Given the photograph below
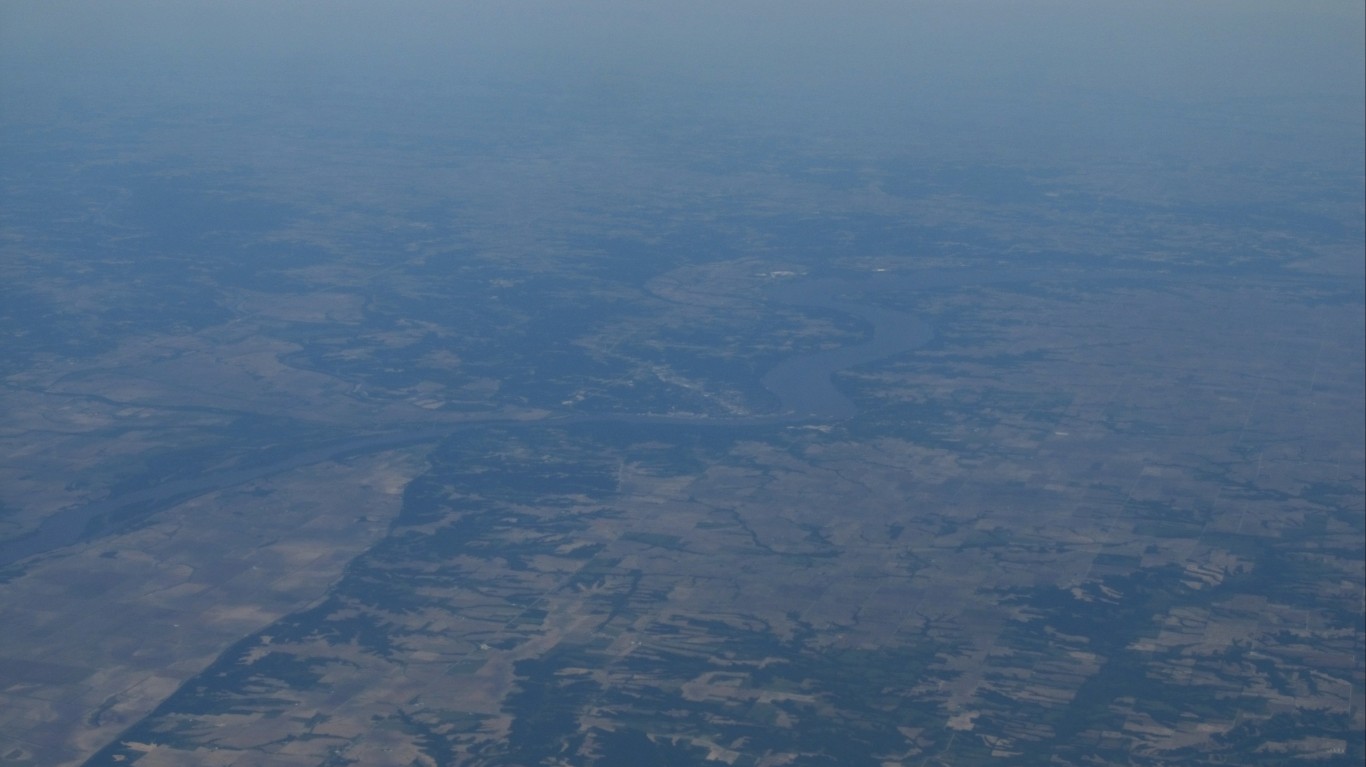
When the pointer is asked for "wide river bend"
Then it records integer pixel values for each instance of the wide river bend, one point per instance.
(803, 384)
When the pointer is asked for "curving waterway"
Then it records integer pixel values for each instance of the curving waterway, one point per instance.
(803, 384)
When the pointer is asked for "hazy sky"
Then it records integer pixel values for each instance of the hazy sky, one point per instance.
(1176, 77)
(1199, 49)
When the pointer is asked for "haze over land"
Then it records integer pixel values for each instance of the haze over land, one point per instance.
(698, 383)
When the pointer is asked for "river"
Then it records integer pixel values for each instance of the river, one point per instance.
(803, 384)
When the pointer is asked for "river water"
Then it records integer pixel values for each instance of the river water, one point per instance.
(803, 384)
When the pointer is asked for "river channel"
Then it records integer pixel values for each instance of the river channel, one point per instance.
(803, 384)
